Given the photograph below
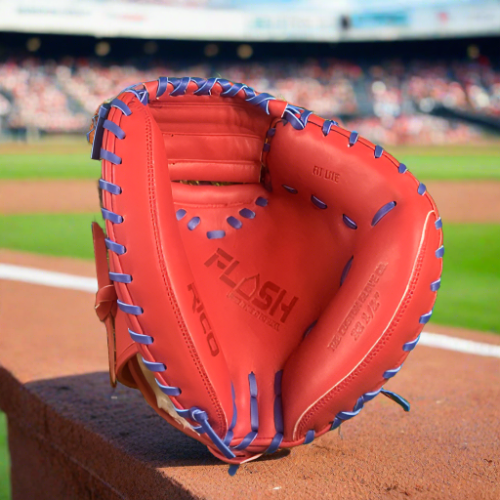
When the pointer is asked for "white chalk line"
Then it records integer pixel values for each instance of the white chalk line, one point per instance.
(457, 344)
(47, 278)
(80, 283)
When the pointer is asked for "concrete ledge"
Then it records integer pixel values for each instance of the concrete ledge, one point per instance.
(76, 438)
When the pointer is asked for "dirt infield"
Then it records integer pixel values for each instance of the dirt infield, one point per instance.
(470, 201)
(68, 265)
(48, 196)
(447, 447)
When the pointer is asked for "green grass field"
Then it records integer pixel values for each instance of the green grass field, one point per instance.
(470, 291)
(64, 166)
(72, 161)
(50, 234)
(450, 163)
(46, 161)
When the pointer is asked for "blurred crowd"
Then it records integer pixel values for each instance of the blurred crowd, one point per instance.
(387, 102)
(466, 86)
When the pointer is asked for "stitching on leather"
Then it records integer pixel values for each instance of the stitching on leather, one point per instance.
(409, 295)
(249, 136)
(226, 205)
(202, 103)
(388, 156)
(247, 164)
(166, 280)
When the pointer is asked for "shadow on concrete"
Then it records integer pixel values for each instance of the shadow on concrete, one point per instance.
(122, 417)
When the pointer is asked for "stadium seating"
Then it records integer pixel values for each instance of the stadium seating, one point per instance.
(386, 101)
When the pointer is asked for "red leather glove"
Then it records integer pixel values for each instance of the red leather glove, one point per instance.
(272, 270)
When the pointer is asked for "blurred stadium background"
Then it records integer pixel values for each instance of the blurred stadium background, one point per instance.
(422, 77)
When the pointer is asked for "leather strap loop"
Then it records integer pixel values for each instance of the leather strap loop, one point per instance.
(105, 303)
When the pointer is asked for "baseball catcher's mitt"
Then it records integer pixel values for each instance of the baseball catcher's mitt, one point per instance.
(268, 272)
